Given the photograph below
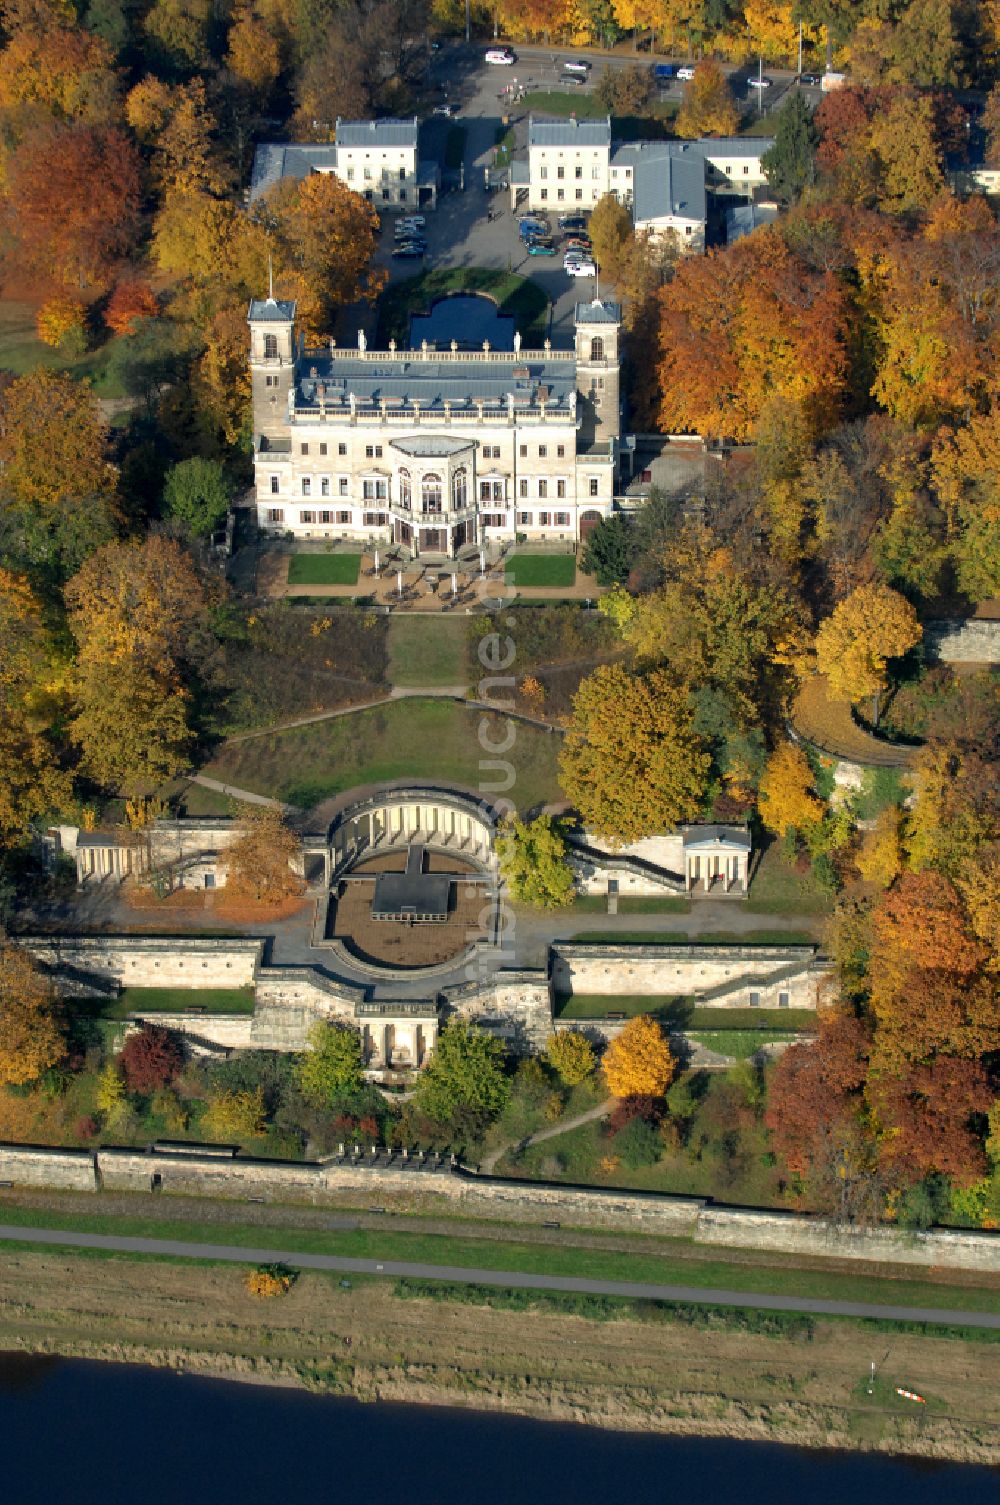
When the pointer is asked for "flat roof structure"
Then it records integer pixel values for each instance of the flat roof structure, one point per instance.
(413, 896)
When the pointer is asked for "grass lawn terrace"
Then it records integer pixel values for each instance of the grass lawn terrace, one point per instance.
(528, 570)
(180, 1000)
(428, 651)
(681, 1013)
(413, 738)
(324, 569)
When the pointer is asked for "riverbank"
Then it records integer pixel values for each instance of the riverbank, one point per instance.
(683, 1372)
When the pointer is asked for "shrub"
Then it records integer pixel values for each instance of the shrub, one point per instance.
(554, 1108)
(638, 1144)
(61, 323)
(234, 1115)
(167, 1106)
(85, 1127)
(269, 1280)
(151, 1058)
(110, 1089)
(649, 1109)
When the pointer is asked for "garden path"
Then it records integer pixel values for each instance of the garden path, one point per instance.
(489, 1162)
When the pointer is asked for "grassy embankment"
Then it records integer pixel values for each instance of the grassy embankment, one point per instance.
(428, 651)
(324, 569)
(408, 738)
(637, 1366)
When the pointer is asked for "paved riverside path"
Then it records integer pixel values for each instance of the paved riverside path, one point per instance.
(175, 1248)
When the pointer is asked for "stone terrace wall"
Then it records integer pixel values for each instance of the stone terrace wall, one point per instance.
(974, 641)
(333, 1179)
(716, 976)
(227, 1031)
(149, 961)
(515, 1004)
(289, 1001)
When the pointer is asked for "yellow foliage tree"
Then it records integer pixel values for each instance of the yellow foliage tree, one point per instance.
(254, 54)
(61, 321)
(234, 1115)
(708, 107)
(854, 644)
(631, 761)
(881, 855)
(110, 1090)
(786, 797)
(53, 441)
(31, 1036)
(639, 1063)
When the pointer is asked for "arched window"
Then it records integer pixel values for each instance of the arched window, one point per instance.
(459, 489)
(405, 490)
(597, 348)
(270, 347)
(430, 490)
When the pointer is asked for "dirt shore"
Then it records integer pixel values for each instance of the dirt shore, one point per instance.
(807, 1388)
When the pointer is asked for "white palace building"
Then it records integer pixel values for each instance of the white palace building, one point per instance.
(435, 449)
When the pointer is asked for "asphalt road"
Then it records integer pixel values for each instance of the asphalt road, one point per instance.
(507, 1278)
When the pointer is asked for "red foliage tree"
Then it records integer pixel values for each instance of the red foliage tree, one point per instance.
(150, 1058)
(130, 302)
(928, 1115)
(649, 1109)
(73, 200)
(815, 1087)
(842, 119)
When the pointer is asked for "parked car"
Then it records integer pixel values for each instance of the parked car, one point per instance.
(810, 80)
(409, 248)
(418, 221)
(758, 83)
(540, 248)
(445, 110)
(572, 222)
(576, 65)
(577, 79)
(578, 243)
(528, 228)
(573, 258)
(582, 269)
(685, 74)
(664, 72)
(503, 57)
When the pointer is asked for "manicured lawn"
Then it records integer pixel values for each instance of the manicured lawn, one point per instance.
(740, 1044)
(178, 1000)
(598, 904)
(706, 938)
(516, 297)
(428, 651)
(550, 1259)
(776, 888)
(681, 1012)
(324, 569)
(541, 570)
(415, 738)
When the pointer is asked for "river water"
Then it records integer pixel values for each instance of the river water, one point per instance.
(73, 1432)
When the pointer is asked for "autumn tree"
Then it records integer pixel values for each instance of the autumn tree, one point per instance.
(130, 302)
(176, 125)
(707, 107)
(254, 51)
(965, 465)
(61, 323)
(234, 1115)
(53, 441)
(930, 1116)
(66, 71)
(332, 1068)
(571, 1056)
(533, 862)
(631, 761)
(611, 234)
(816, 1086)
(855, 643)
(32, 784)
(638, 1062)
(328, 235)
(31, 1033)
(904, 141)
(261, 864)
(73, 200)
(787, 797)
(881, 855)
(742, 326)
(150, 1058)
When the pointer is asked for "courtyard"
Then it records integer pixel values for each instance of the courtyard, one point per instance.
(400, 943)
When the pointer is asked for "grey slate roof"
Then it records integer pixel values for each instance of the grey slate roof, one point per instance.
(734, 836)
(520, 173)
(434, 445)
(407, 378)
(377, 132)
(274, 160)
(598, 312)
(668, 184)
(572, 132)
(744, 218)
(278, 310)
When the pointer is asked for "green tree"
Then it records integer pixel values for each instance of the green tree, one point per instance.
(608, 552)
(791, 162)
(331, 1069)
(532, 856)
(464, 1081)
(571, 1055)
(197, 492)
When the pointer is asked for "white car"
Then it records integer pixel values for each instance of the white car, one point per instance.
(502, 56)
(580, 268)
(685, 74)
(411, 222)
(758, 83)
(576, 65)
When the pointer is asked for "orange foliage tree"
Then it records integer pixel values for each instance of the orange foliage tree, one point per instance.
(130, 302)
(929, 1116)
(638, 1063)
(73, 200)
(743, 326)
(31, 1037)
(814, 1085)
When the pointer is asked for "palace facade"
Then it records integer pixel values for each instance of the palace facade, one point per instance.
(432, 450)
